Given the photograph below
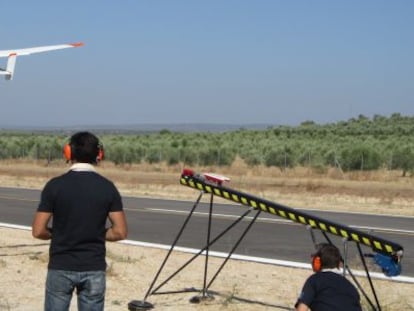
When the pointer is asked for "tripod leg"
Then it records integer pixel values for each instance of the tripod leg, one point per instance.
(203, 249)
(369, 277)
(208, 247)
(234, 247)
(173, 245)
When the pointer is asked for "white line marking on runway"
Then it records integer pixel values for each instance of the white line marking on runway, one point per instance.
(276, 262)
(275, 220)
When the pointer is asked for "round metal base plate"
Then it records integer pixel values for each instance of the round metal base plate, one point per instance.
(137, 305)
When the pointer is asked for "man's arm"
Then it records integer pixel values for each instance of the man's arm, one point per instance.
(301, 307)
(118, 230)
(39, 226)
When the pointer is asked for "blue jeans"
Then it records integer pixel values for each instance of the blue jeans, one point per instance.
(90, 287)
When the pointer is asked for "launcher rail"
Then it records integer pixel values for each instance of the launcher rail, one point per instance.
(215, 187)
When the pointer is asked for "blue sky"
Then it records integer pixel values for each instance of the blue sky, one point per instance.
(216, 61)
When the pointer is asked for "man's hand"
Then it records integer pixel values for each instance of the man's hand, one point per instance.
(118, 230)
(39, 226)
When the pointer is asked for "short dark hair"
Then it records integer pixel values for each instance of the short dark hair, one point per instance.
(84, 147)
(329, 254)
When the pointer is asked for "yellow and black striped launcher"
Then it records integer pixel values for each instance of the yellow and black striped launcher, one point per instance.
(214, 186)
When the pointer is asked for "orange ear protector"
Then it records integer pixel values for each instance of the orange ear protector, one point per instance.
(101, 154)
(67, 152)
(316, 263)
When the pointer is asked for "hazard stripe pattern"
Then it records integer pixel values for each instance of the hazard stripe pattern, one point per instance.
(376, 243)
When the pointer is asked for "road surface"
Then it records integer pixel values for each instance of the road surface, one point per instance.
(159, 221)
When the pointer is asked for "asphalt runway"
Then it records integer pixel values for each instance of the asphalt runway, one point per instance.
(159, 221)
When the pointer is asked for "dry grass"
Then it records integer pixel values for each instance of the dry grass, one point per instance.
(380, 192)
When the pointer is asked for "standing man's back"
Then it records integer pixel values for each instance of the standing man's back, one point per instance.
(80, 202)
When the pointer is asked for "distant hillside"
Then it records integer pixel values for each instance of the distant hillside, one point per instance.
(140, 128)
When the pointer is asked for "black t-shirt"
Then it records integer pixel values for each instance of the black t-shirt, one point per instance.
(80, 202)
(329, 291)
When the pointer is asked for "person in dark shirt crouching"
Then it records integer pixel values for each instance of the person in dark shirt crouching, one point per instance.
(327, 289)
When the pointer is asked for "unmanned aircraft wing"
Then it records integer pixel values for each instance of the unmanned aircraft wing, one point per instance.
(12, 55)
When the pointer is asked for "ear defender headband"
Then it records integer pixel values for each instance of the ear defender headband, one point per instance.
(67, 152)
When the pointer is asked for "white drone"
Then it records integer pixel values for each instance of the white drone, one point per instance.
(12, 55)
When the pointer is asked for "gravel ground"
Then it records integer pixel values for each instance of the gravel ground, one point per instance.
(240, 286)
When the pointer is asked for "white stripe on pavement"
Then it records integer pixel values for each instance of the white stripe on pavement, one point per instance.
(291, 264)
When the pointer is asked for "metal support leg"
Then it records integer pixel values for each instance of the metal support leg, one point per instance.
(205, 295)
(345, 257)
(234, 248)
(369, 277)
(143, 304)
(202, 250)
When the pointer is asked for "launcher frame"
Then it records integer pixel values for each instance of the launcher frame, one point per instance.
(212, 184)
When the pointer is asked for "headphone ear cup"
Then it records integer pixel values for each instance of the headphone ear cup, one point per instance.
(316, 264)
(101, 154)
(67, 152)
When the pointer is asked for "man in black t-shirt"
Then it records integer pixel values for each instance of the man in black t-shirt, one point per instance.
(79, 203)
(326, 289)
